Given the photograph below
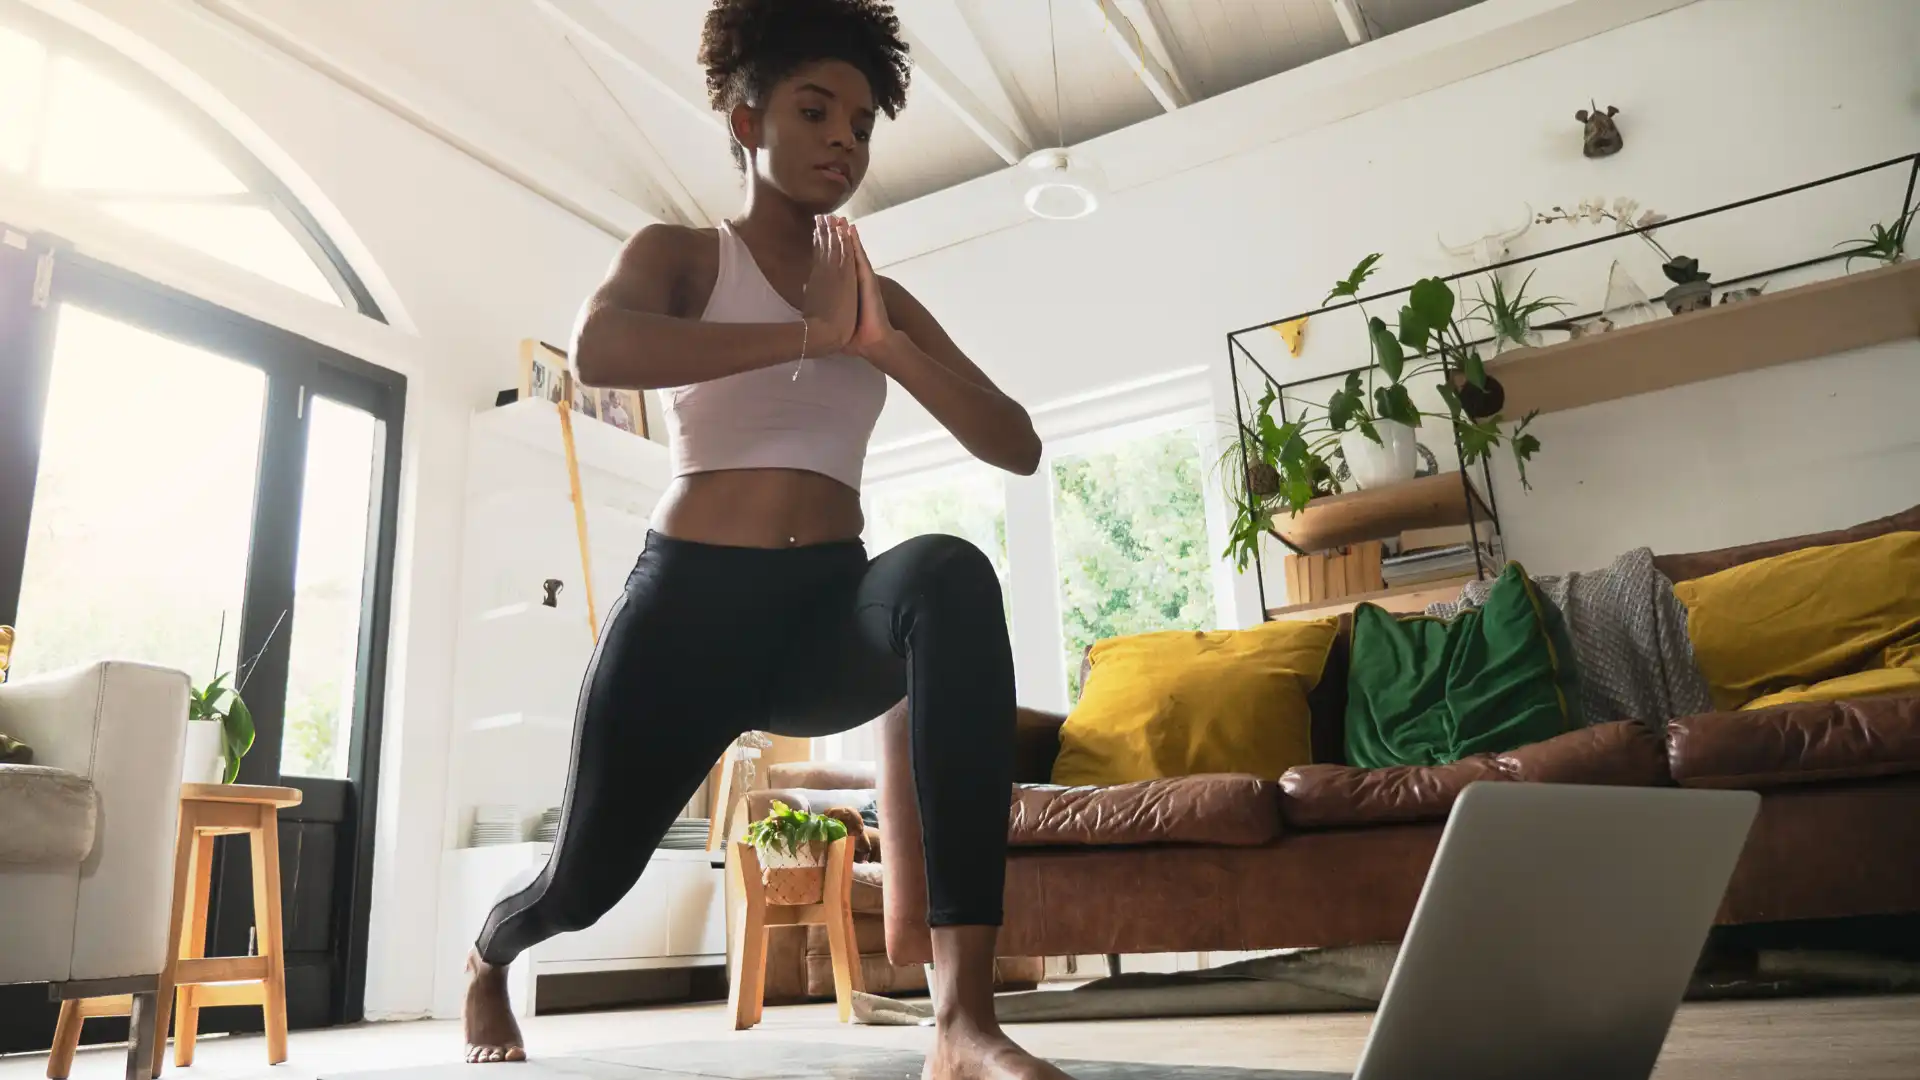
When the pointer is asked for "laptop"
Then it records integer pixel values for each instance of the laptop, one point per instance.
(1556, 933)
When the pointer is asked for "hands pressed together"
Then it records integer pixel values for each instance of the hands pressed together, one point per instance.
(843, 306)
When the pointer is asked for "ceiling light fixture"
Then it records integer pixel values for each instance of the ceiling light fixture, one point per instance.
(1060, 184)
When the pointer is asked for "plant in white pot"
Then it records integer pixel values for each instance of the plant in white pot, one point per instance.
(219, 723)
(1372, 417)
(792, 845)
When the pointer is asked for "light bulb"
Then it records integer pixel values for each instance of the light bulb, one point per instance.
(1061, 185)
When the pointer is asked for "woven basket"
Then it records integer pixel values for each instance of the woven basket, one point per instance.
(796, 878)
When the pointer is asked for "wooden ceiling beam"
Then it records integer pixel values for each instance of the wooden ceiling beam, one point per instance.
(1133, 40)
(1353, 21)
(1009, 140)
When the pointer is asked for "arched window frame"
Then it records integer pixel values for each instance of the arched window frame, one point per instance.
(263, 187)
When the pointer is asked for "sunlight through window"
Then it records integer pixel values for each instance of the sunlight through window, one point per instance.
(75, 124)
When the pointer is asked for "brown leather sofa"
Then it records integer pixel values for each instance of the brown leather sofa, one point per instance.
(1331, 855)
(799, 963)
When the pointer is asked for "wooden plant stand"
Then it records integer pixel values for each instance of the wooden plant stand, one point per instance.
(754, 915)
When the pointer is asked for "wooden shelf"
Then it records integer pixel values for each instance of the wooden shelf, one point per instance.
(1826, 317)
(1401, 600)
(1381, 513)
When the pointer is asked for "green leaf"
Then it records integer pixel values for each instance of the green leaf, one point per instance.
(1386, 349)
(239, 732)
(1341, 407)
(1397, 404)
(1298, 492)
(1452, 397)
(1474, 368)
(1414, 330)
(1431, 298)
(1351, 286)
(1371, 432)
(1272, 437)
(1294, 452)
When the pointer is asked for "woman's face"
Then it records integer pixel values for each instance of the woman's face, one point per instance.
(811, 135)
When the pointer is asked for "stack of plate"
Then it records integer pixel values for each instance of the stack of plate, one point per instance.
(549, 828)
(496, 825)
(686, 834)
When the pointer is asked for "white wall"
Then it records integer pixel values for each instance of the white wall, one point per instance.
(1719, 100)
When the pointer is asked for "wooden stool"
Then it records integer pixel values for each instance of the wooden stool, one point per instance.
(746, 996)
(207, 811)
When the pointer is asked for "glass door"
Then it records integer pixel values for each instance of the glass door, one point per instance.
(143, 508)
(187, 487)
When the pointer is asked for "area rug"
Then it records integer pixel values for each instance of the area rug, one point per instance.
(753, 1059)
(1353, 979)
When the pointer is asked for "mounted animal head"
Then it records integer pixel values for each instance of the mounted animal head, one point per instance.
(1488, 249)
(1603, 136)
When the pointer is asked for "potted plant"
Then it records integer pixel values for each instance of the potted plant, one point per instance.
(1886, 244)
(1286, 463)
(219, 723)
(1511, 317)
(792, 845)
(1692, 290)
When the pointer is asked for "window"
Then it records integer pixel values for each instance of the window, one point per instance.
(137, 549)
(968, 503)
(75, 121)
(1130, 539)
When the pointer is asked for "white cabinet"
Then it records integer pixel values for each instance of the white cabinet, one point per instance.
(517, 678)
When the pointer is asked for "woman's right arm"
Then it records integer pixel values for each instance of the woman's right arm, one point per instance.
(626, 339)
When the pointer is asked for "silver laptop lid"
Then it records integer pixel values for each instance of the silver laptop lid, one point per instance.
(1556, 932)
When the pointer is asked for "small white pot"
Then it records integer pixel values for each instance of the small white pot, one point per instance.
(202, 764)
(1392, 460)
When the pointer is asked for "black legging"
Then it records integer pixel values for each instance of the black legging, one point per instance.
(708, 642)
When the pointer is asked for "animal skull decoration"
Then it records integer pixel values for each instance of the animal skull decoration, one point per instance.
(1603, 138)
(1488, 249)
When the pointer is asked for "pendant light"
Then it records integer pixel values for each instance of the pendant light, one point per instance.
(1060, 184)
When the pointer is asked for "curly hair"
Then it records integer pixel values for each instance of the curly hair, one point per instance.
(749, 45)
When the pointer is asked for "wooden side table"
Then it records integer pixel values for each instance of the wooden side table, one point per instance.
(747, 994)
(207, 811)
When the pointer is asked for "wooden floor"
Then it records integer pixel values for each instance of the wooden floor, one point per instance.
(1832, 1039)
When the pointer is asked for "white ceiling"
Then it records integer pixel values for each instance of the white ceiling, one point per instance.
(606, 96)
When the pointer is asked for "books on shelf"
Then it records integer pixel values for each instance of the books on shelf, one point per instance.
(1435, 563)
(1446, 536)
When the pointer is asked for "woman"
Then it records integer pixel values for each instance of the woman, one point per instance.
(754, 605)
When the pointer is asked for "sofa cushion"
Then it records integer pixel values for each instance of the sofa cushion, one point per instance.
(869, 882)
(47, 816)
(1796, 744)
(1622, 753)
(1224, 809)
(1695, 564)
(1426, 691)
(1782, 623)
(1187, 703)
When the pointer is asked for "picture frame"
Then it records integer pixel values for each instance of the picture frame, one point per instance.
(545, 375)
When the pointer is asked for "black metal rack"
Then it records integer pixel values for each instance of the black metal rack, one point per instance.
(1238, 353)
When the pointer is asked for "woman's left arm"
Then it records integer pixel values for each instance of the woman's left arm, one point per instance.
(902, 338)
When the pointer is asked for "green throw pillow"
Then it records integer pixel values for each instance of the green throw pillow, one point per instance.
(1426, 691)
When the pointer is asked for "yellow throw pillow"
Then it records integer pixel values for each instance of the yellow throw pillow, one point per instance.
(1779, 625)
(1183, 702)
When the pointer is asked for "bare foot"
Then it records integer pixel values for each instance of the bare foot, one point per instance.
(968, 1052)
(492, 1033)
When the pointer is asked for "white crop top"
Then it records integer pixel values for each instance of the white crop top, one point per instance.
(815, 414)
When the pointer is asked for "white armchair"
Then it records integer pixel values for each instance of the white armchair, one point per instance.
(87, 833)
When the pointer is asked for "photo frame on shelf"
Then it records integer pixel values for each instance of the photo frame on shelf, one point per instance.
(545, 376)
